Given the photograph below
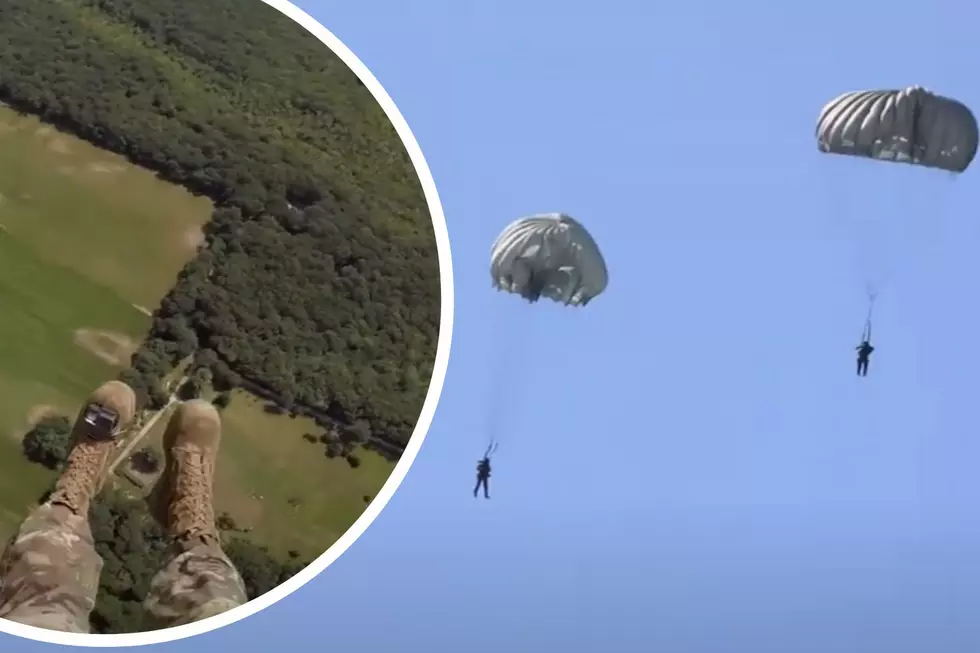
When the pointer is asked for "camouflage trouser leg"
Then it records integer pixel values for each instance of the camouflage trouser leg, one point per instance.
(196, 584)
(49, 572)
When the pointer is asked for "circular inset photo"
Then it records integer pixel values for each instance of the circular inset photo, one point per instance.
(225, 311)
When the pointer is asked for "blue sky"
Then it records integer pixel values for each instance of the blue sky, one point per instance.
(689, 464)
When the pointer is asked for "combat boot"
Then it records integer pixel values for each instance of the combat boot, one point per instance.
(108, 412)
(183, 498)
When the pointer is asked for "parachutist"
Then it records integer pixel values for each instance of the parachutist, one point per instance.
(483, 477)
(864, 354)
(911, 126)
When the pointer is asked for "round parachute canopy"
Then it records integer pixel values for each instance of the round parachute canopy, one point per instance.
(912, 125)
(550, 255)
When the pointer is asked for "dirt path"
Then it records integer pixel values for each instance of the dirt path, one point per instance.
(193, 239)
(106, 168)
(114, 348)
(136, 439)
(34, 416)
(39, 412)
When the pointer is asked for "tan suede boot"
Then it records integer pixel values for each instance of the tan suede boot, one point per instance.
(183, 497)
(108, 412)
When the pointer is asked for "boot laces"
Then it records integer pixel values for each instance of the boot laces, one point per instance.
(80, 481)
(191, 509)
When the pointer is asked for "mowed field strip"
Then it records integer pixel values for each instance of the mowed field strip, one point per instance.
(93, 212)
(89, 244)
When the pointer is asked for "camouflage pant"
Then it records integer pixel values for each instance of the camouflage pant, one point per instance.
(49, 576)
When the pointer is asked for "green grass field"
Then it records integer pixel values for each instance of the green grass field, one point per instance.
(42, 305)
(85, 236)
(93, 212)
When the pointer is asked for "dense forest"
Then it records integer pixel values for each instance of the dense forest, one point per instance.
(319, 284)
(134, 546)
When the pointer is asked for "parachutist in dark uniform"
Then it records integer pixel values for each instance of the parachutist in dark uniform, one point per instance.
(483, 477)
(864, 354)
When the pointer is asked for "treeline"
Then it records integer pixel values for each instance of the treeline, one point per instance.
(319, 282)
(134, 546)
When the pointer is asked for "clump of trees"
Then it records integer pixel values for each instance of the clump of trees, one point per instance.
(318, 288)
(48, 443)
(146, 461)
(222, 400)
(343, 444)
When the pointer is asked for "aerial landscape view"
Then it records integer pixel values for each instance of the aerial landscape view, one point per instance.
(202, 201)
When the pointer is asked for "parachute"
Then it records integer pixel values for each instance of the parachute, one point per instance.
(549, 255)
(912, 126)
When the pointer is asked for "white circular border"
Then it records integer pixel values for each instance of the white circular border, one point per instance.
(421, 427)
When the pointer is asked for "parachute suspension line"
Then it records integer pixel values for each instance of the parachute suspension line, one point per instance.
(864, 234)
(866, 333)
(491, 449)
(547, 256)
(499, 363)
(511, 334)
